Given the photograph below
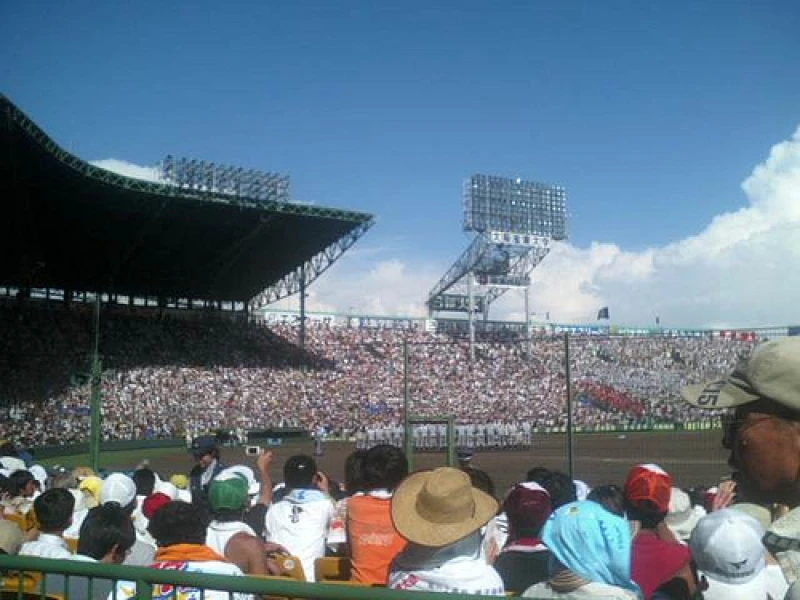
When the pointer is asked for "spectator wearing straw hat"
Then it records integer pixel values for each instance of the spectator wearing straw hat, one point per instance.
(440, 514)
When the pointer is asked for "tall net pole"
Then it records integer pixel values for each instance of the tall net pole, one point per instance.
(408, 435)
(97, 374)
(570, 444)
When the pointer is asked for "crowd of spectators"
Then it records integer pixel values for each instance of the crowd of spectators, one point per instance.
(165, 376)
(447, 529)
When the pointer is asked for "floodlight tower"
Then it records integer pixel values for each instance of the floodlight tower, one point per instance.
(255, 186)
(515, 222)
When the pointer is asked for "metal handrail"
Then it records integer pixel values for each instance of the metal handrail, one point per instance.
(146, 577)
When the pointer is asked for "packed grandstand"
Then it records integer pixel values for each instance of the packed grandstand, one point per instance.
(166, 376)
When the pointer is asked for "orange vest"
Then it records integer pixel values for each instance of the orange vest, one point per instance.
(374, 542)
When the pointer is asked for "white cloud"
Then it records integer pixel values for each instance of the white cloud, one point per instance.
(382, 287)
(740, 270)
(128, 169)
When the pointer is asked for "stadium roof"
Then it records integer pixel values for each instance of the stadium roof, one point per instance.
(67, 224)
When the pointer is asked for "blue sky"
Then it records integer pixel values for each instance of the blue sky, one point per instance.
(652, 115)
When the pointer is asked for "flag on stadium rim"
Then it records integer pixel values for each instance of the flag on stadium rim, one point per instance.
(603, 313)
(648, 486)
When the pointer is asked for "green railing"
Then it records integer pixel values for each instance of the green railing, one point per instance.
(145, 579)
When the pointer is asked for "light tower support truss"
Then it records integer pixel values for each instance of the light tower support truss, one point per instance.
(489, 286)
(300, 277)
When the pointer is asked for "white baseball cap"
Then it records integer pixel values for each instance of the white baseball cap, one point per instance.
(118, 488)
(167, 488)
(40, 475)
(682, 516)
(246, 473)
(727, 547)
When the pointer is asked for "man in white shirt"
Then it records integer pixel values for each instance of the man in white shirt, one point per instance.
(106, 536)
(300, 520)
(54, 513)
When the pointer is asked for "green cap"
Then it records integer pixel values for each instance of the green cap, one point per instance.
(228, 493)
(771, 372)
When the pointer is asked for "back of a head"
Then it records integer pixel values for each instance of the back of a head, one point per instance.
(727, 548)
(228, 498)
(119, 488)
(560, 487)
(18, 480)
(527, 507)
(590, 541)
(536, 474)
(7, 448)
(54, 510)
(648, 489)
(105, 527)
(145, 480)
(384, 466)
(299, 472)
(610, 497)
(481, 480)
(354, 472)
(179, 523)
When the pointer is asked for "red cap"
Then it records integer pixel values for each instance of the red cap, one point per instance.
(649, 487)
(153, 502)
(527, 507)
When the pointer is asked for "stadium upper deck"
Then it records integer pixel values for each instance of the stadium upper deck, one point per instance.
(69, 225)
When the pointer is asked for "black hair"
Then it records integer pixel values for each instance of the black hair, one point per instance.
(145, 480)
(54, 510)
(480, 479)
(384, 466)
(18, 480)
(8, 448)
(560, 487)
(299, 472)
(537, 474)
(104, 527)
(198, 454)
(353, 472)
(649, 518)
(227, 515)
(609, 497)
(179, 522)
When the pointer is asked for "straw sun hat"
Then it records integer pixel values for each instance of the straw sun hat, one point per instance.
(437, 508)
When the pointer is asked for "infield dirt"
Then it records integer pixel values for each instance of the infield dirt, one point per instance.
(691, 458)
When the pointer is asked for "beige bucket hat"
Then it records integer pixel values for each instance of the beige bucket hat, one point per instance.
(437, 508)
